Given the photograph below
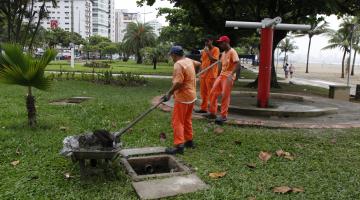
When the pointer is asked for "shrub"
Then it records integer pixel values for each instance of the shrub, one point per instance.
(95, 64)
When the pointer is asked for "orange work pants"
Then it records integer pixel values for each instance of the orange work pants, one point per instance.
(182, 122)
(206, 85)
(221, 86)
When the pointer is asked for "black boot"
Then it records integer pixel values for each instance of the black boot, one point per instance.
(189, 144)
(175, 150)
(200, 111)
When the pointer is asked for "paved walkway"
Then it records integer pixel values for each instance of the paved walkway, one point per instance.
(304, 81)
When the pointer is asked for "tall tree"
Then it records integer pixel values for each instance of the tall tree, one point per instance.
(21, 69)
(138, 36)
(20, 15)
(318, 26)
(339, 39)
(211, 15)
(286, 46)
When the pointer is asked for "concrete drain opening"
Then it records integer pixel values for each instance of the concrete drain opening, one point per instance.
(69, 101)
(142, 168)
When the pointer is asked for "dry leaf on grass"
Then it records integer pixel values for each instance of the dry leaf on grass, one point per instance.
(264, 156)
(297, 190)
(251, 165)
(333, 141)
(18, 151)
(162, 137)
(287, 189)
(282, 189)
(218, 130)
(67, 175)
(63, 128)
(14, 163)
(289, 157)
(251, 198)
(217, 174)
(286, 155)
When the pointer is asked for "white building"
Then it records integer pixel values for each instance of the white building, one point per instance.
(70, 15)
(156, 26)
(104, 18)
(122, 19)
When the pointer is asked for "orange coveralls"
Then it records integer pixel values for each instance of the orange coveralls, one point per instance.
(208, 78)
(222, 85)
(184, 73)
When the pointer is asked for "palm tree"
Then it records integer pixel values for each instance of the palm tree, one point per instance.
(138, 36)
(20, 69)
(318, 26)
(339, 39)
(287, 46)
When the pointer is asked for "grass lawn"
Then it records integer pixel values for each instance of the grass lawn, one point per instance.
(326, 162)
(130, 66)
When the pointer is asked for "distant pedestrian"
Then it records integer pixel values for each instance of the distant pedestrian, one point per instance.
(291, 70)
(154, 61)
(286, 70)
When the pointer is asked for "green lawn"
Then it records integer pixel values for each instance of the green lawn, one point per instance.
(130, 66)
(324, 168)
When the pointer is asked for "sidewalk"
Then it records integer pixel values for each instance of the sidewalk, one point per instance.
(304, 81)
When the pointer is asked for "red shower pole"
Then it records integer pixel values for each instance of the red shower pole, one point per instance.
(264, 78)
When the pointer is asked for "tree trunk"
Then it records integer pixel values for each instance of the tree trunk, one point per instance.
(343, 65)
(138, 58)
(308, 55)
(30, 105)
(278, 36)
(353, 64)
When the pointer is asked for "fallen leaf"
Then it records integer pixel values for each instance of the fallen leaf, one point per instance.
(251, 165)
(264, 156)
(297, 190)
(18, 151)
(67, 175)
(237, 142)
(289, 157)
(333, 141)
(252, 198)
(282, 189)
(280, 152)
(162, 137)
(217, 174)
(14, 163)
(63, 128)
(218, 130)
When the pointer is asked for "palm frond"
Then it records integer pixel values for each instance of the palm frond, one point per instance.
(20, 69)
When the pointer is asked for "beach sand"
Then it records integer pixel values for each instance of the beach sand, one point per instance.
(326, 72)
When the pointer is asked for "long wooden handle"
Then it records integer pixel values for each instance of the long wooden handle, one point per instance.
(123, 130)
(208, 68)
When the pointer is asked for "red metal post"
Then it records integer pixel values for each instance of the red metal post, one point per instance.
(264, 79)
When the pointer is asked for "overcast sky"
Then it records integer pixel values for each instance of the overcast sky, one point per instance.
(151, 12)
(318, 42)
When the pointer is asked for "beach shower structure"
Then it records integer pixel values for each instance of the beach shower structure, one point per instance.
(267, 27)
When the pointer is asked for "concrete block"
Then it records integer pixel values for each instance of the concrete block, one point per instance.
(161, 188)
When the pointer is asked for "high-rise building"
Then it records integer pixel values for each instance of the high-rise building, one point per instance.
(104, 18)
(156, 26)
(70, 15)
(122, 18)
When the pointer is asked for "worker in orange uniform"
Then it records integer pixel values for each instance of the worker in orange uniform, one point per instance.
(209, 55)
(184, 91)
(230, 64)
